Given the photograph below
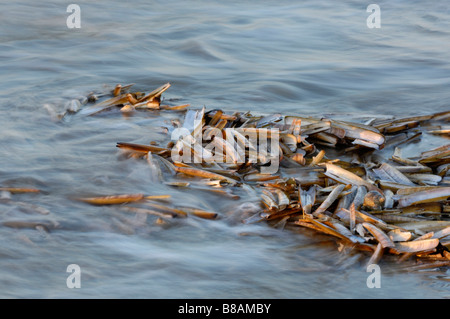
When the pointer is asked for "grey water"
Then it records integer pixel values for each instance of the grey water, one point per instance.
(293, 57)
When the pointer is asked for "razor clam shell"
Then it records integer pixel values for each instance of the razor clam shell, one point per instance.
(395, 219)
(192, 118)
(358, 201)
(330, 199)
(38, 225)
(442, 233)
(255, 218)
(345, 216)
(366, 144)
(424, 227)
(418, 169)
(283, 199)
(413, 190)
(394, 187)
(329, 139)
(427, 196)
(435, 153)
(112, 199)
(390, 173)
(155, 93)
(443, 170)
(147, 211)
(380, 235)
(389, 199)
(191, 171)
(307, 199)
(347, 200)
(269, 201)
(290, 141)
(327, 229)
(360, 131)
(397, 157)
(417, 245)
(376, 256)
(346, 177)
(269, 119)
(429, 179)
(347, 233)
(316, 159)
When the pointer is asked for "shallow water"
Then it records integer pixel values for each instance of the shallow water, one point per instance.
(313, 57)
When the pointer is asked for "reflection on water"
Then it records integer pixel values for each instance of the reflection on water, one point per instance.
(309, 58)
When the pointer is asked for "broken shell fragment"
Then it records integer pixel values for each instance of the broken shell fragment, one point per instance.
(397, 235)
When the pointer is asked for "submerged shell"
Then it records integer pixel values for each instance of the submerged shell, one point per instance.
(113, 199)
(19, 190)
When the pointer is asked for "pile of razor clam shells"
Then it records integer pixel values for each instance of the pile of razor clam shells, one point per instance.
(331, 177)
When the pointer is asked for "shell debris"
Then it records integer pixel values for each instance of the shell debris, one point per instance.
(348, 180)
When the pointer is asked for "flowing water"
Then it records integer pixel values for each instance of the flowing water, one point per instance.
(293, 57)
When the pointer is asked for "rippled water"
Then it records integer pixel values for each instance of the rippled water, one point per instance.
(309, 57)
